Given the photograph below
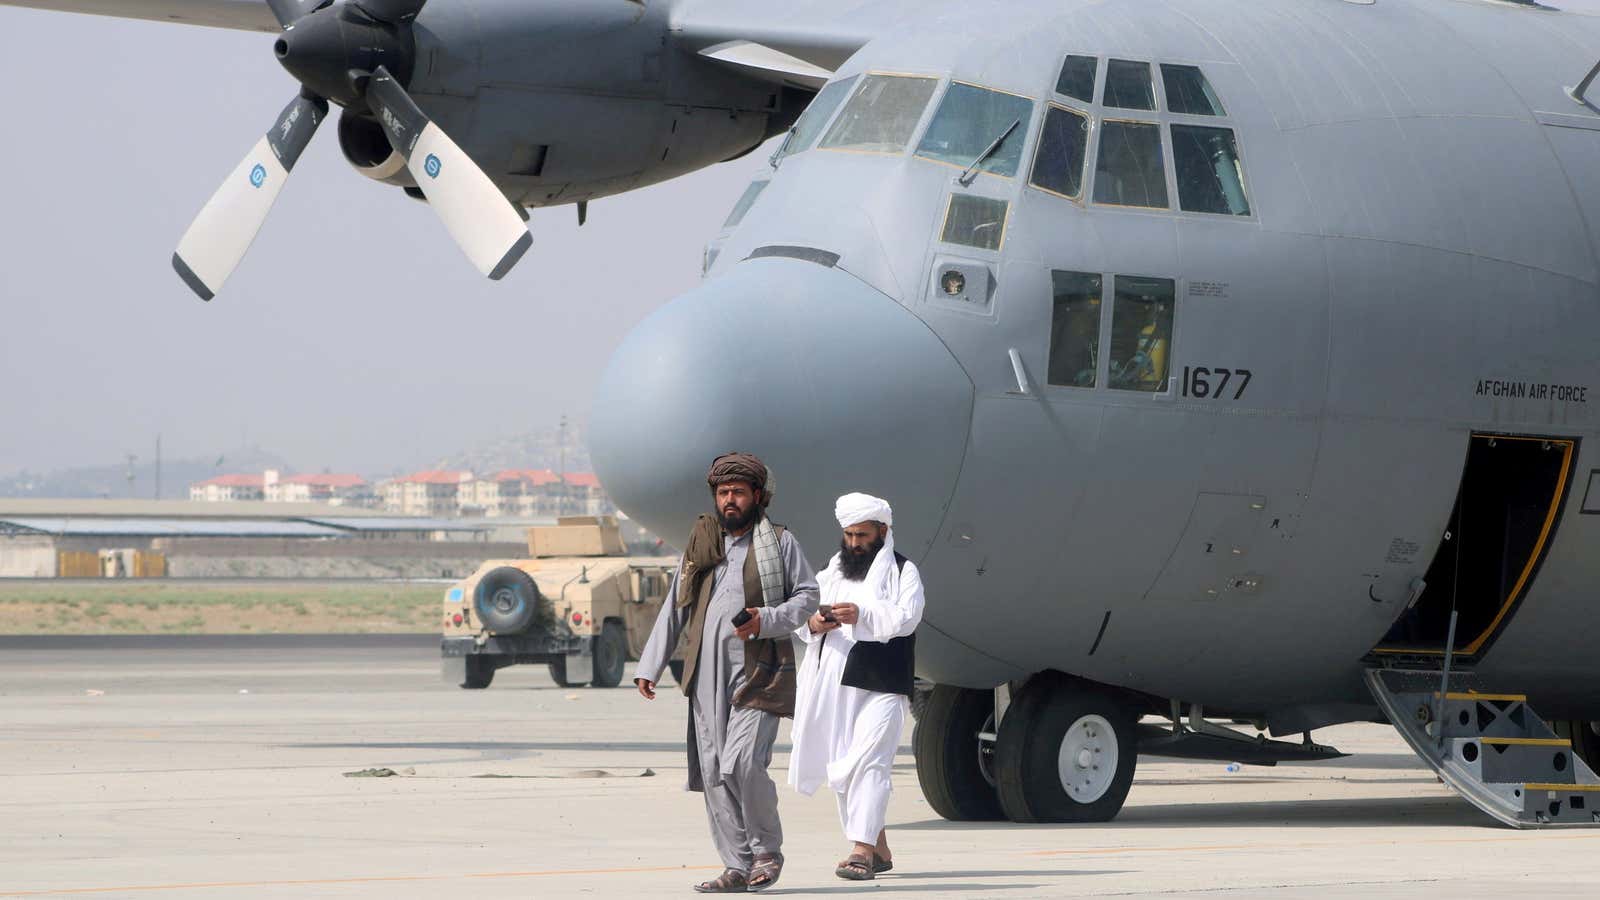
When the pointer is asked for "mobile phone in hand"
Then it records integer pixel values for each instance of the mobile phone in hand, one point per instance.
(827, 613)
(741, 617)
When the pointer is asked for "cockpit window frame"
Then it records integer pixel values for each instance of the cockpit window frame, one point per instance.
(1161, 117)
(1091, 183)
(940, 84)
(848, 83)
(1089, 150)
(1094, 77)
(1026, 126)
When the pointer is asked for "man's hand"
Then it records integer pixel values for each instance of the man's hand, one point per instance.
(647, 689)
(847, 613)
(751, 627)
(819, 625)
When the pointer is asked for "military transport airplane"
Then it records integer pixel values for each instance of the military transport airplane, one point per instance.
(1224, 359)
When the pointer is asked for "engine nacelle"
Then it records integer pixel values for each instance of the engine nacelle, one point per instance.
(569, 100)
(362, 141)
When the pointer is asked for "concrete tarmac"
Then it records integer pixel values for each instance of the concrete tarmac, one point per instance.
(186, 767)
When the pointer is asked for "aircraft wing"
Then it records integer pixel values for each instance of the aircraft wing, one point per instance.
(244, 15)
(788, 38)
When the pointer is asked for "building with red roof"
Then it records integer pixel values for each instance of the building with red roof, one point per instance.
(433, 492)
(229, 488)
(337, 489)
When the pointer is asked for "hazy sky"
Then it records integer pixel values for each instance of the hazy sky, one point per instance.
(355, 334)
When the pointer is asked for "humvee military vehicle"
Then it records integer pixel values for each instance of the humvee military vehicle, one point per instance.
(579, 605)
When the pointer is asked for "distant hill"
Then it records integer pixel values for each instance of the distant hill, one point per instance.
(112, 480)
(540, 449)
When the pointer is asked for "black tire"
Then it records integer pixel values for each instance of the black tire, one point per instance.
(506, 600)
(480, 671)
(919, 699)
(947, 750)
(1585, 739)
(1032, 753)
(558, 674)
(610, 656)
(677, 670)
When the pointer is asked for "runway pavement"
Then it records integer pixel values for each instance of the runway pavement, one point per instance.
(184, 767)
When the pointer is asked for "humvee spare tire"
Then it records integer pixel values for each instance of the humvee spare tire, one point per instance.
(507, 600)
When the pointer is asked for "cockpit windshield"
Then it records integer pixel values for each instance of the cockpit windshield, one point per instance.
(882, 115)
(817, 114)
(970, 119)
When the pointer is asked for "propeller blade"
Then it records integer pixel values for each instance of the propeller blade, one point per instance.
(222, 232)
(288, 12)
(392, 12)
(483, 222)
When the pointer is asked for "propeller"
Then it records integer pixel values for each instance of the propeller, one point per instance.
(357, 53)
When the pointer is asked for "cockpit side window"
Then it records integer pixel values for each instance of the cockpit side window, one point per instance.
(1063, 146)
(969, 120)
(1129, 170)
(816, 116)
(1189, 92)
(1077, 78)
(1210, 178)
(975, 221)
(1141, 334)
(1074, 329)
(882, 115)
(746, 200)
(1128, 85)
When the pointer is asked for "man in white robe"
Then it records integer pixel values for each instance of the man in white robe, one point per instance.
(845, 736)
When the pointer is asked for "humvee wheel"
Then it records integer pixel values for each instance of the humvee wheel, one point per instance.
(677, 670)
(610, 656)
(480, 671)
(558, 674)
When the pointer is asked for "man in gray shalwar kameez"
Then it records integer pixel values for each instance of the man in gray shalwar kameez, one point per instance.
(736, 560)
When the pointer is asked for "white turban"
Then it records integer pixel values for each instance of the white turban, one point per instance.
(853, 509)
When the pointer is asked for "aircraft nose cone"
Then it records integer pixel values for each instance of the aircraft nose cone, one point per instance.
(834, 385)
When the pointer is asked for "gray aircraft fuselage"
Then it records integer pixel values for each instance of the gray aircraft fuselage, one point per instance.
(1293, 357)
(1415, 275)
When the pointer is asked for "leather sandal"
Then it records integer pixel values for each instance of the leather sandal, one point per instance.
(731, 881)
(855, 868)
(766, 872)
(881, 864)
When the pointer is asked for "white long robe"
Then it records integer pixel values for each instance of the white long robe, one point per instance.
(846, 737)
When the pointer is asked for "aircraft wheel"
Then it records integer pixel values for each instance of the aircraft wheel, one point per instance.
(480, 671)
(1066, 753)
(951, 758)
(1585, 737)
(610, 656)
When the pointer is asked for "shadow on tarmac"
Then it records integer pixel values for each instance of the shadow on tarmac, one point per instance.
(1358, 813)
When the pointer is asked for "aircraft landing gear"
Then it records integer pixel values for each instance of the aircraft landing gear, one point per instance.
(1066, 753)
(953, 760)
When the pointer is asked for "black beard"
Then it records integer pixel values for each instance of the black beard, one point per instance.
(854, 564)
(738, 521)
